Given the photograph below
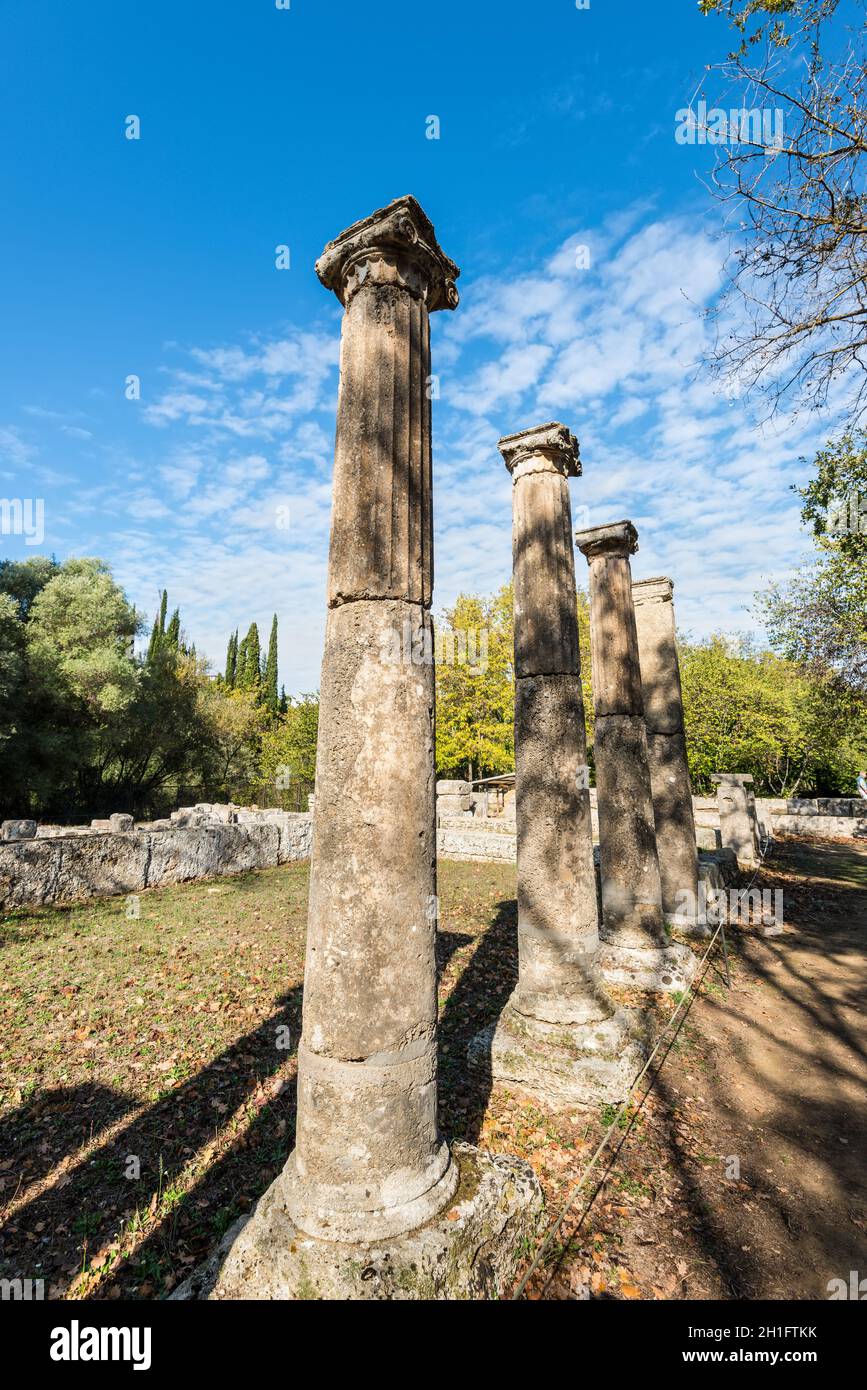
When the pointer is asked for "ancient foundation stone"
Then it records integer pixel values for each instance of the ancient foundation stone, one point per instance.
(470, 1251)
(18, 830)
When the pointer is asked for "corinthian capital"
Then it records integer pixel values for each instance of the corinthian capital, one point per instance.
(396, 245)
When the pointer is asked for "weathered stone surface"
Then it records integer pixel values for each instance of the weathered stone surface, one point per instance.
(631, 889)
(28, 873)
(453, 787)
(121, 822)
(18, 830)
(475, 845)
(563, 1066)
(469, 1251)
(79, 863)
(541, 460)
(666, 745)
(558, 926)
(369, 1161)
(613, 636)
(100, 865)
(673, 817)
(737, 812)
(389, 272)
(559, 1035)
(668, 969)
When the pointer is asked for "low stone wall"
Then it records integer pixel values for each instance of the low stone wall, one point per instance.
(480, 842)
(67, 868)
(818, 818)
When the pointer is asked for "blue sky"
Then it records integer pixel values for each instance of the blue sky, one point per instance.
(262, 127)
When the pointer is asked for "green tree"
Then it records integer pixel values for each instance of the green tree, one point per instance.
(249, 661)
(473, 647)
(272, 701)
(288, 755)
(232, 660)
(173, 631)
(159, 627)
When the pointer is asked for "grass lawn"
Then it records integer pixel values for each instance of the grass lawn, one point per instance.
(147, 1088)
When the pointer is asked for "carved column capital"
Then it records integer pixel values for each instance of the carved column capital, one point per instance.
(396, 245)
(548, 448)
(617, 538)
(658, 590)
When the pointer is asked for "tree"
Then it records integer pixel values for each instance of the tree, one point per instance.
(272, 701)
(798, 271)
(159, 627)
(22, 580)
(752, 711)
(173, 631)
(288, 755)
(249, 661)
(232, 660)
(473, 647)
(818, 617)
(835, 501)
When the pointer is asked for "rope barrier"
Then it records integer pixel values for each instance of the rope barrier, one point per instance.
(575, 1189)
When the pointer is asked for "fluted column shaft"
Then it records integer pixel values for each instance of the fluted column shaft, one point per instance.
(369, 1160)
(631, 889)
(673, 811)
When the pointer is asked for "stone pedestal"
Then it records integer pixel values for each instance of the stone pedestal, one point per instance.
(370, 1164)
(737, 816)
(635, 945)
(666, 750)
(560, 1035)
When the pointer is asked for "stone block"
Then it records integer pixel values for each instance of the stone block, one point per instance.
(18, 830)
(472, 1250)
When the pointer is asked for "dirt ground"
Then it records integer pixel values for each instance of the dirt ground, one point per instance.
(170, 1039)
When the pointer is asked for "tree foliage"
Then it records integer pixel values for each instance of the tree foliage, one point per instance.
(798, 272)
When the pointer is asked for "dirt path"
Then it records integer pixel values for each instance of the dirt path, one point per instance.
(744, 1174)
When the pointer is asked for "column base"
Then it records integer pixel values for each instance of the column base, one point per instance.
(657, 969)
(562, 1064)
(471, 1250)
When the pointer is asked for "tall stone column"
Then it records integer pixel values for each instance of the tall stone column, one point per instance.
(560, 1035)
(666, 750)
(636, 950)
(370, 1164)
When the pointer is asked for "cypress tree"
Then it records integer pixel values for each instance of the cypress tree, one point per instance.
(249, 662)
(252, 659)
(232, 660)
(173, 631)
(159, 628)
(270, 679)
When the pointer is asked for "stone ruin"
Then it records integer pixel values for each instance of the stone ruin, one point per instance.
(46, 864)
(374, 1202)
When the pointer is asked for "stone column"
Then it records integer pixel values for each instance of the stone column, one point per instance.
(737, 816)
(560, 1035)
(666, 749)
(637, 950)
(370, 1164)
